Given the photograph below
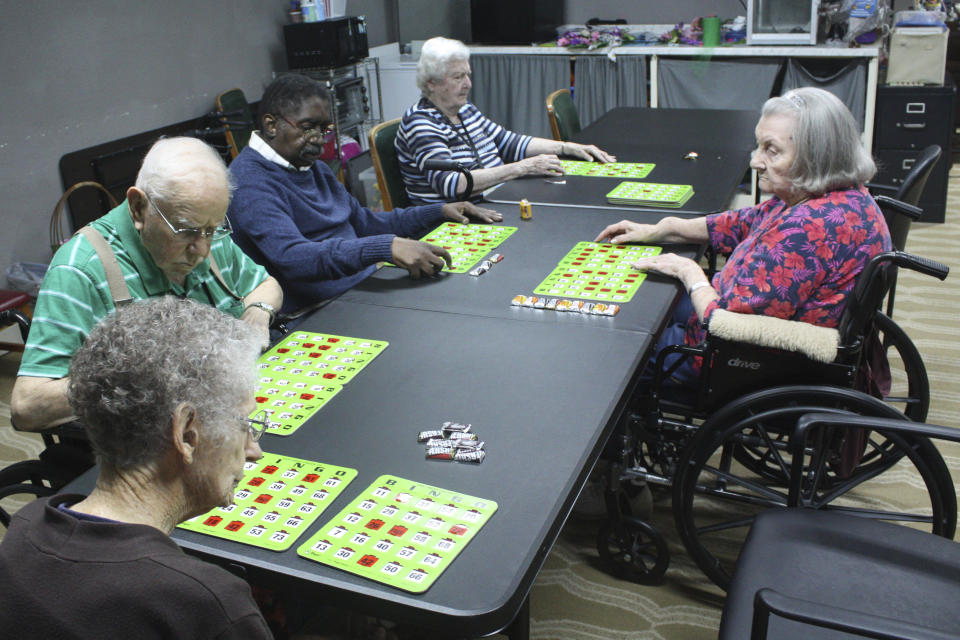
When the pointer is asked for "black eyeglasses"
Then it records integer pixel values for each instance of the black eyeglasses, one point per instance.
(192, 234)
(317, 130)
(258, 424)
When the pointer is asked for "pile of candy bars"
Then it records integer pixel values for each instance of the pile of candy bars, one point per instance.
(575, 306)
(453, 441)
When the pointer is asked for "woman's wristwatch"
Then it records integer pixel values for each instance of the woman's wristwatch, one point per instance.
(266, 307)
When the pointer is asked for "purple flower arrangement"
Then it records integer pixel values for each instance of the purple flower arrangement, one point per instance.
(681, 34)
(594, 38)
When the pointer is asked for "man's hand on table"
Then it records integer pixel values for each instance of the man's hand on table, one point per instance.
(421, 259)
(463, 211)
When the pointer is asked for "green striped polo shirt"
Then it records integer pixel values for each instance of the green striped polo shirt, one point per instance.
(74, 294)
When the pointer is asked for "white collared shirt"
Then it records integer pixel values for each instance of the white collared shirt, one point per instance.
(260, 146)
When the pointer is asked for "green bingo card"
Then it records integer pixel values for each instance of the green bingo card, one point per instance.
(304, 371)
(278, 498)
(597, 271)
(650, 194)
(399, 532)
(607, 169)
(467, 243)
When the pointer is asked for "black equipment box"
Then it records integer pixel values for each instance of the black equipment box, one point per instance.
(334, 42)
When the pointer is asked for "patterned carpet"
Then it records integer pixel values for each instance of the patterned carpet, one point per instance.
(573, 599)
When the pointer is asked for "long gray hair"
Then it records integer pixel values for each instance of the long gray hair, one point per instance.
(829, 152)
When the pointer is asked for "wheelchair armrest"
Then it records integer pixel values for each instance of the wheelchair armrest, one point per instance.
(873, 187)
(925, 266)
(817, 343)
(908, 210)
(767, 601)
(919, 429)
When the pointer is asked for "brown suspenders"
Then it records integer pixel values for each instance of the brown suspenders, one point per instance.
(111, 267)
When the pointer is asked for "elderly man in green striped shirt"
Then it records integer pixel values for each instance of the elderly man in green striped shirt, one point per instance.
(169, 237)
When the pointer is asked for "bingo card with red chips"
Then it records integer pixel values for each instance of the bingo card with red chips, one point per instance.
(304, 371)
(278, 499)
(597, 271)
(399, 532)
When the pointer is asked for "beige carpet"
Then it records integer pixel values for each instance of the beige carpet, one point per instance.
(573, 599)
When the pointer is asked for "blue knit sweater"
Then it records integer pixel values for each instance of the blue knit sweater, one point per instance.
(310, 234)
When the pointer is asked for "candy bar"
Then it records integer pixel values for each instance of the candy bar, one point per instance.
(441, 453)
(518, 300)
(563, 305)
(462, 435)
(496, 257)
(470, 456)
(551, 304)
(461, 443)
(587, 307)
(423, 436)
(455, 426)
(540, 303)
(530, 301)
(575, 305)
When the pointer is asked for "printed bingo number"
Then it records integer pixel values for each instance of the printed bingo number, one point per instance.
(597, 271)
(607, 170)
(467, 243)
(277, 500)
(399, 532)
(305, 371)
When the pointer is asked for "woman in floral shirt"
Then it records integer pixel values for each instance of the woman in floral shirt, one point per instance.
(795, 256)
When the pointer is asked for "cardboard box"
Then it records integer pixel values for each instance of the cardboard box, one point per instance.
(918, 55)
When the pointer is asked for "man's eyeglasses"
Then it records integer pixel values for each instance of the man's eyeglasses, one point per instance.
(317, 130)
(191, 234)
(258, 424)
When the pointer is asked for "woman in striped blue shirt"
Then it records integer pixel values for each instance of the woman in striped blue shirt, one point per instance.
(443, 125)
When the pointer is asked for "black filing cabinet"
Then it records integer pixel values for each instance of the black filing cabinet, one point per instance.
(909, 119)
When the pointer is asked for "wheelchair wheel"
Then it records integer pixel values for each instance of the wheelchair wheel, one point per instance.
(631, 549)
(716, 496)
(909, 386)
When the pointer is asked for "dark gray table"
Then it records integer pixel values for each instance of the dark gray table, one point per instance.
(530, 254)
(544, 397)
(722, 140)
(543, 389)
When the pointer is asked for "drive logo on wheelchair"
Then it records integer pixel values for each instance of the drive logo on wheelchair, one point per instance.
(743, 364)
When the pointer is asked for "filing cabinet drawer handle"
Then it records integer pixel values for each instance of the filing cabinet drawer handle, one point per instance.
(916, 107)
(908, 163)
(915, 125)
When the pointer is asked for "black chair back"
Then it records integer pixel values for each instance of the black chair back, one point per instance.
(915, 181)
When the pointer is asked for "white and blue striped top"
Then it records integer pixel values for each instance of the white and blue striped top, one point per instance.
(477, 143)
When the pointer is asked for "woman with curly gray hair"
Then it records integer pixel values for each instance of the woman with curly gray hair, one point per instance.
(164, 387)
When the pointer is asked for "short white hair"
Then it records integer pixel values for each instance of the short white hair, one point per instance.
(436, 54)
(829, 152)
(177, 170)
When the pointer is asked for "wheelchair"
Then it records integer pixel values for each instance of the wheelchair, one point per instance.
(66, 454)
(723, 447)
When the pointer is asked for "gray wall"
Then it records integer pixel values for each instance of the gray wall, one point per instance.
(424, 19)
(79, 74)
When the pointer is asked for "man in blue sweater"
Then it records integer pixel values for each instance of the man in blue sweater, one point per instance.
(290, 214)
